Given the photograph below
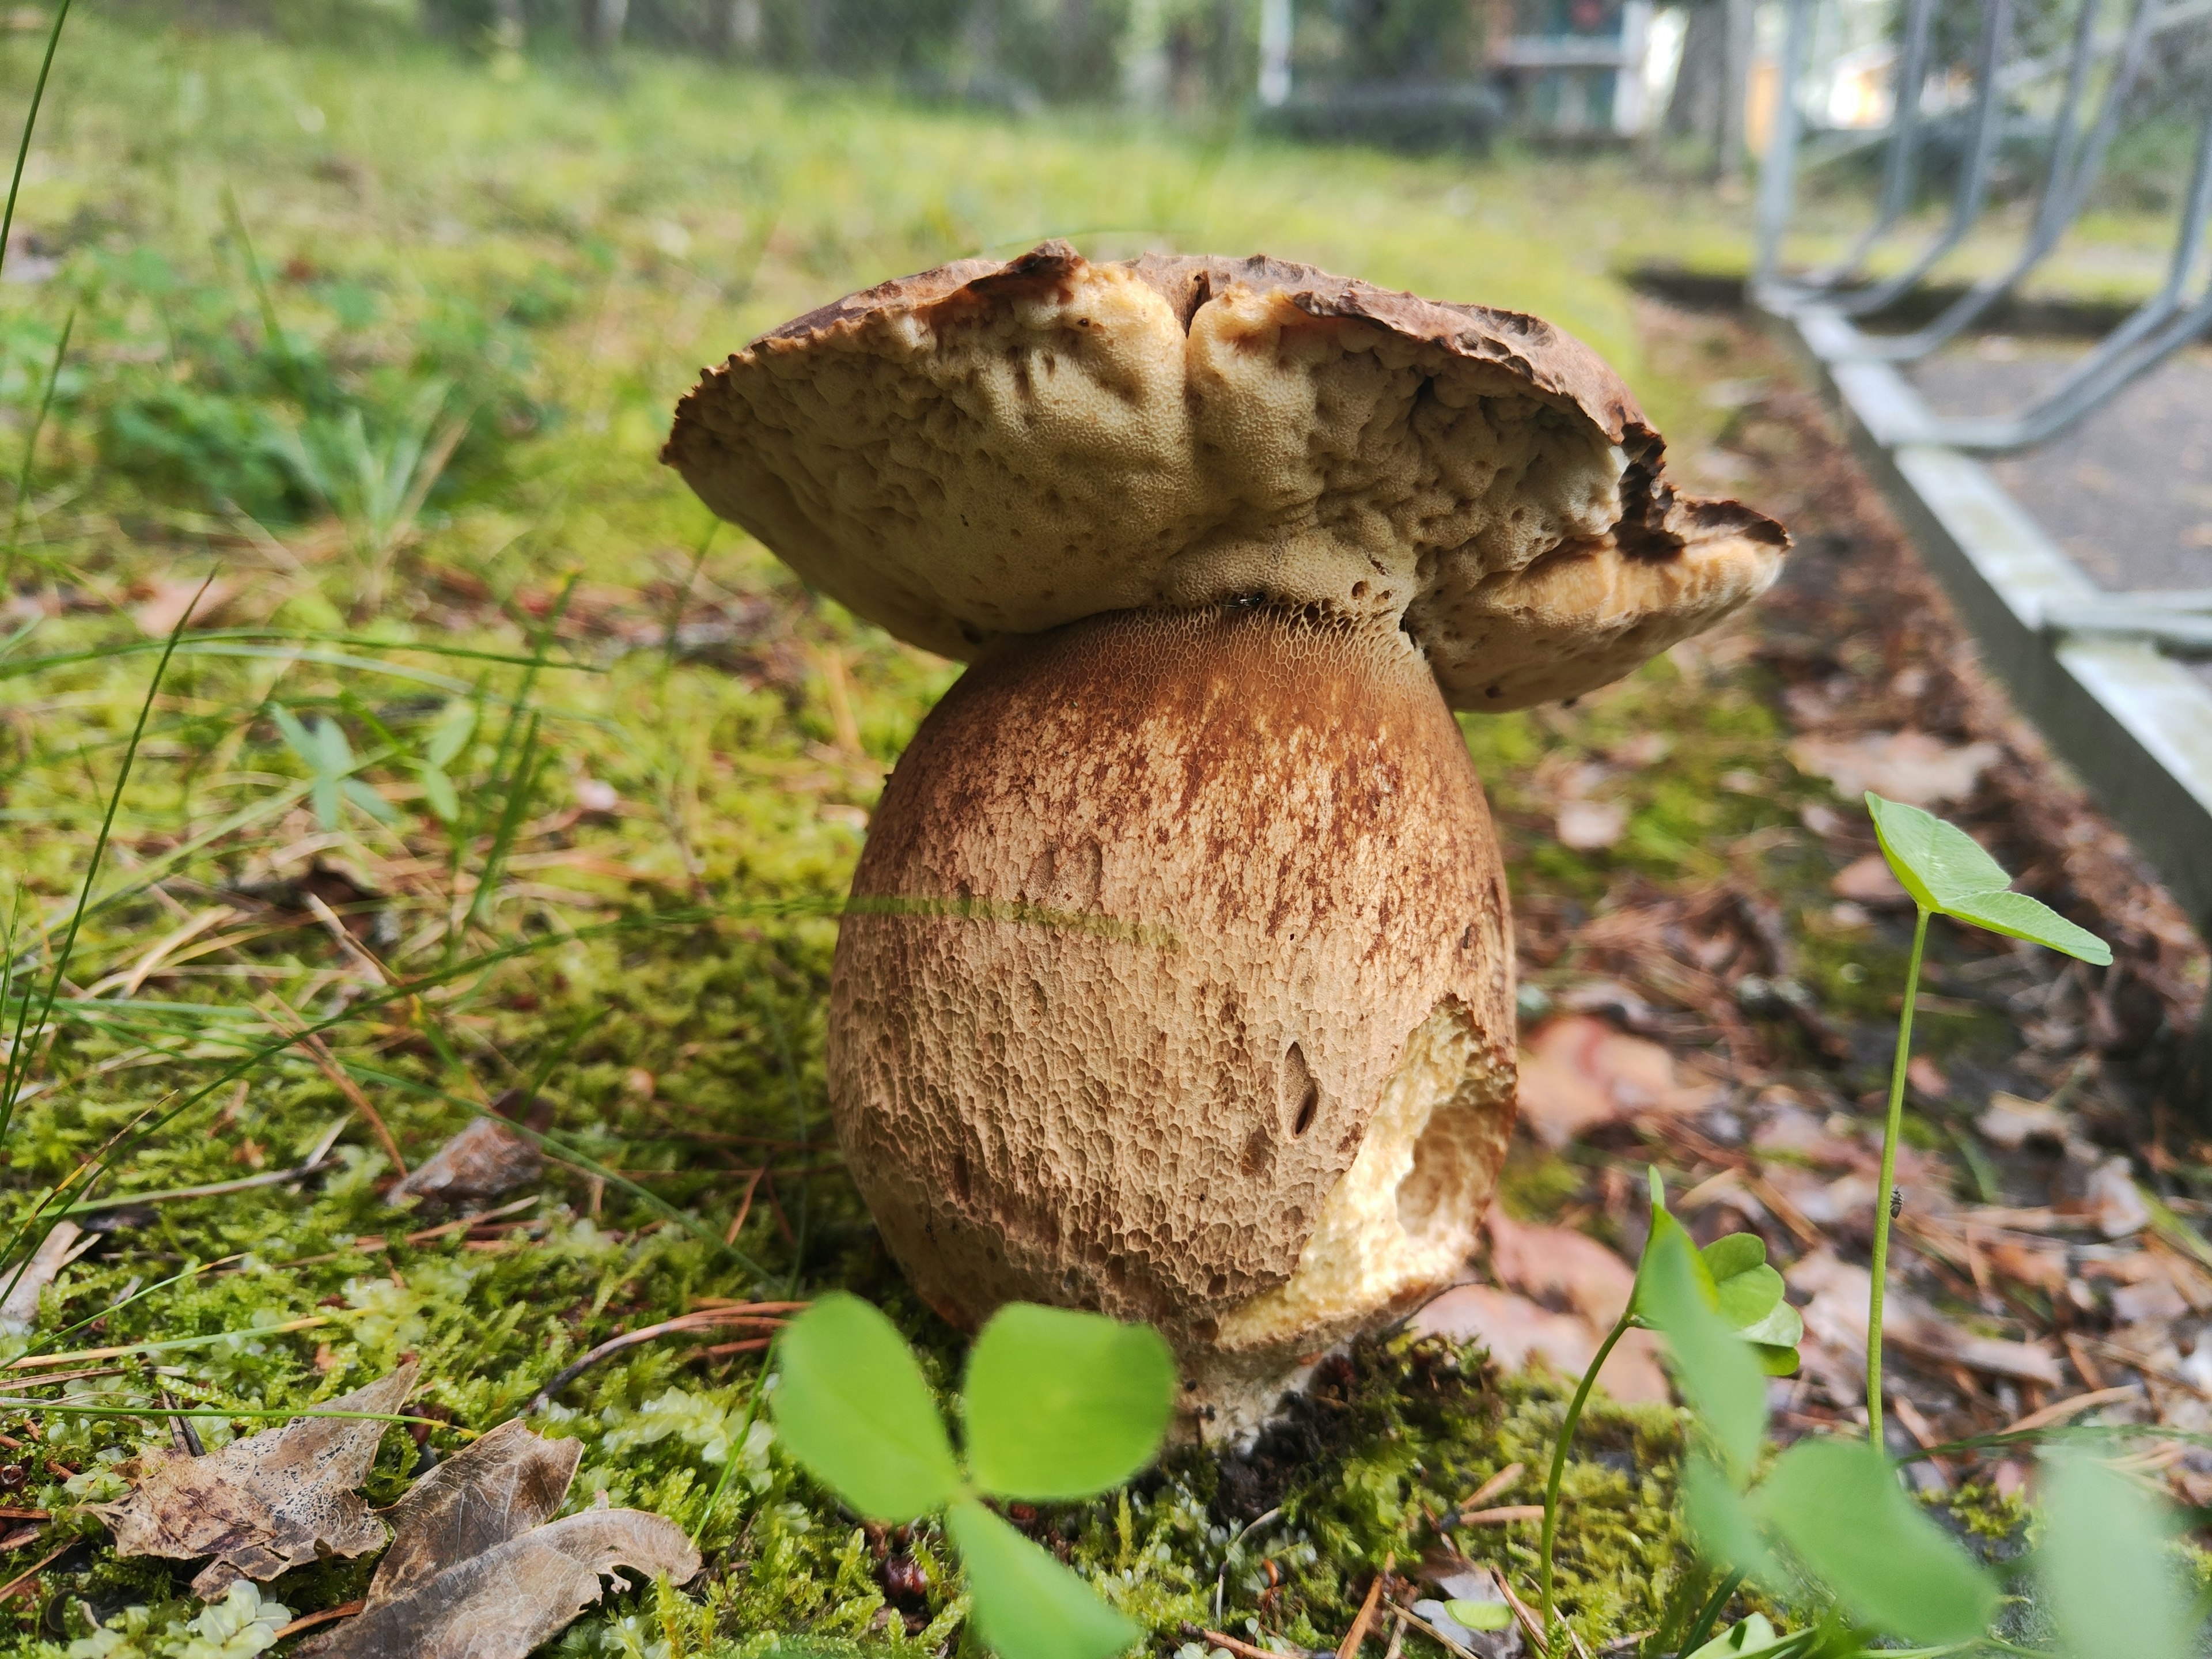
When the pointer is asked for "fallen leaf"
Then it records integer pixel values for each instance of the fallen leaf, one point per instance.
(264, 1504)
(1553, 1264)
(514, 1599)
(2012, 1122)
(1907, 766)
(1868, 880)
(1516, 1331)
(1519, 1333)
(2155, 1300)
(476, 1572)
(1578, 1072)
(1836, 1314)
(507, 1482)
(483, 1161)
(2039, 1266)
(157, 617)
(1590, 826)
(1790, 1129)
(1927, 1078)
(2112, 1201)
(19, 1312)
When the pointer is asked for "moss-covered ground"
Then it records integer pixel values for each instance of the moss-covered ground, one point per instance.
(383, 342)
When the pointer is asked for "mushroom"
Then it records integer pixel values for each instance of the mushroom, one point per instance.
(1177, 978)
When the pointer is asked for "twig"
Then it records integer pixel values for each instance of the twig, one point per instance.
(371, 1242)
(1358, 1634)
(339, 1079)
(41, 1360)
(2059, 1412)
(744, 1207)
(346, 942)
(1221, 1578)
(723, 1350)
(759, 1313)
(317, 1160)
(309, 1620)
(10, 1589)
(1504, 1516)
(1501, 1481)
(1242, 1650)
(1520, 1610)
(1434, 1634)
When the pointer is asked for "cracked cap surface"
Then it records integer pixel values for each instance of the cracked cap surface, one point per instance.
(987, 450)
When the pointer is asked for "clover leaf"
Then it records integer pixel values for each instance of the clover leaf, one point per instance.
(1057, 1406)
(1733, 1275)
(1946, 871)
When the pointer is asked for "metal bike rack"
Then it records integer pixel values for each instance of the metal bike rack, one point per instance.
(2104, 674)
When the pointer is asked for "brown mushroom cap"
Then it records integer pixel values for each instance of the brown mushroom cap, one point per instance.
(985, 450)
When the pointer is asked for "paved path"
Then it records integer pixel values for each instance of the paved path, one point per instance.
(2129, 493)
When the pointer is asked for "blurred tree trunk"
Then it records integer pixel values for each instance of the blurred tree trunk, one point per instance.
(741, 28)
(604, 21)
(1694, 109)
(1711, 86)
(1730, 156)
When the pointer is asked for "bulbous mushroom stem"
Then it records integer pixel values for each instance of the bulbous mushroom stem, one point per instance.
(1178, 983)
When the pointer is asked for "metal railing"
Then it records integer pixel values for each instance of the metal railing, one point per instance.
(2104, 672)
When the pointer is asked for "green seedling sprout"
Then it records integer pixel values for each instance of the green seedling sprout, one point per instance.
(329, 758)
(1056, 1406)
(1834, 1506)
(1733, 1282)
(1948, 873)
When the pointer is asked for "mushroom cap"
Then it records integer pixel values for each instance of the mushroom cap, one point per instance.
(987, 449)
(1177, 982)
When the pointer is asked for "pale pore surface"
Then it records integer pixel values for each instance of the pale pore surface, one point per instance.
(1402, 1221)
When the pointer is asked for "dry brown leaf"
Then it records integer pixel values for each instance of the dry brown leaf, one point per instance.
(1793, 1132)
(2113, 1201)
(2011, 1122)
(494, 1490)
(1556, 1264)
(264, 1504)
(1590, 826)
(2040, 1266)
(1868, 880)
(157, 617)
(1578, 1072)
(1516, 1331)
(485, 1160)
(19, 1311)
(1519, 1333)
(518, 1596)
(1907, 766)
(477, 1570)
(1836, 1317)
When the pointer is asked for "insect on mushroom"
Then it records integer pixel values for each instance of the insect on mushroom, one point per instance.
(1177, 980)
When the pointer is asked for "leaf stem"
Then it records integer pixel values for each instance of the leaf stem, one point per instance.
(1891, 1130)
(1560, 1462)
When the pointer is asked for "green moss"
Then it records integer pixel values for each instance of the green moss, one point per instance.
(1534, 1183)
